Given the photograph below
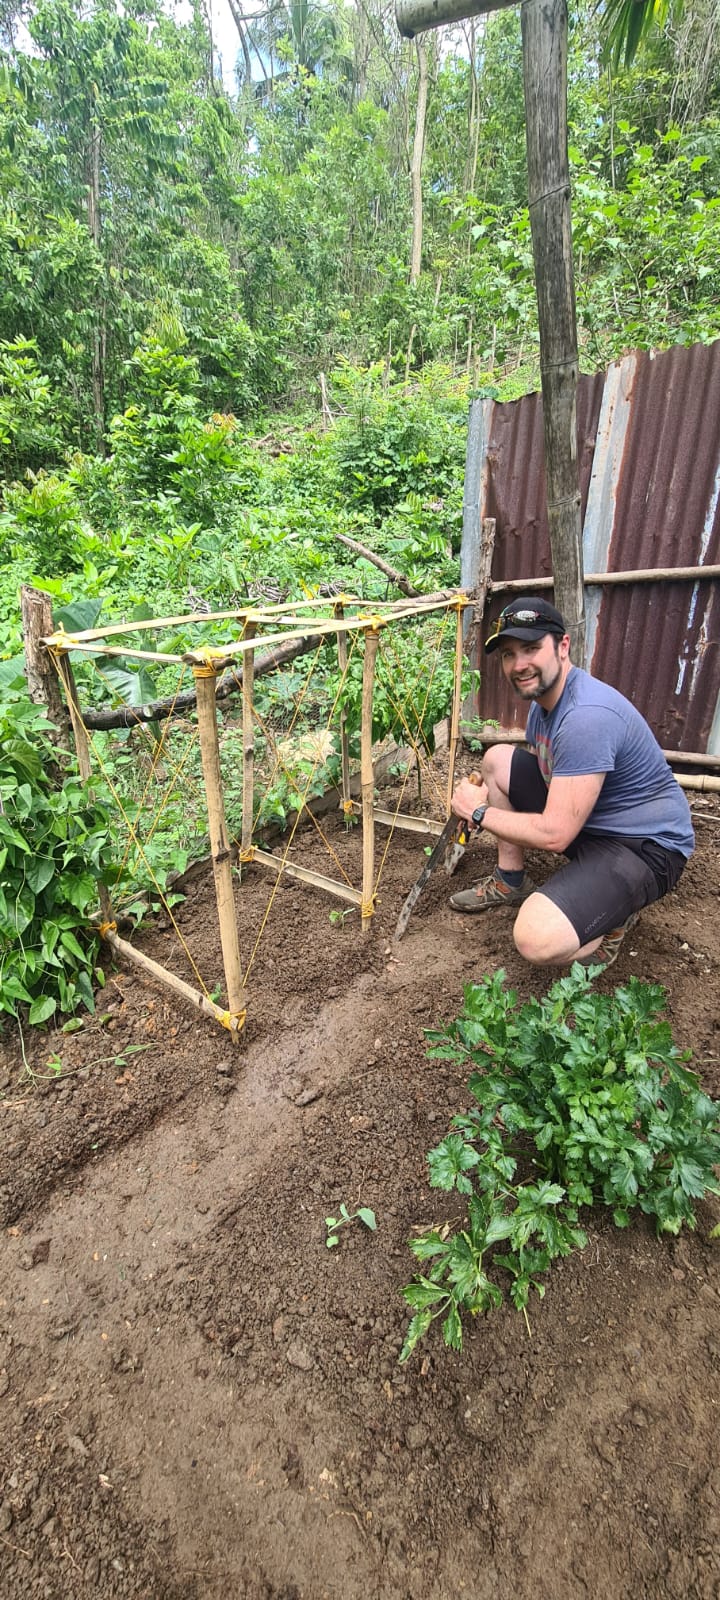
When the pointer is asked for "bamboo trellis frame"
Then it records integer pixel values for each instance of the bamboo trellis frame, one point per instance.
(346, 616)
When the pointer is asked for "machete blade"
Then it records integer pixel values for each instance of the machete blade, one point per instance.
(449, 848)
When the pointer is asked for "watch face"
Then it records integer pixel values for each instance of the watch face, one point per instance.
(478, 815)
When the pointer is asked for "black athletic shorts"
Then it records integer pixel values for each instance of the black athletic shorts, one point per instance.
(608, 876)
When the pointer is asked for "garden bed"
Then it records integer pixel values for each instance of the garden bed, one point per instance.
(199, 1399)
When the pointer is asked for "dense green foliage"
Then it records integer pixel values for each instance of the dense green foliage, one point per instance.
(55, 845)
(180, 264)
(581, 1098)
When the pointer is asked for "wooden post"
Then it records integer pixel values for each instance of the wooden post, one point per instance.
(248, 795)
(43, 686)
(372, 640)
(342, 650)
(544, 38)
(456, 707)
(219, 844)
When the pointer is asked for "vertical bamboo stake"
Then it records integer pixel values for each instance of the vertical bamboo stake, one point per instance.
(248, 794)
(372, 640)
(342, 650)
(456, 706)
(219, 845)
(82, 746)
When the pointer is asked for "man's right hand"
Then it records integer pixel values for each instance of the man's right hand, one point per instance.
(467, 797)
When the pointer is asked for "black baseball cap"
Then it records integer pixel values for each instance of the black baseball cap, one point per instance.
(526, 618)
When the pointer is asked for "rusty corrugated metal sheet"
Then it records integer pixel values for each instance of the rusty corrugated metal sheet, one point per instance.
(649, 452)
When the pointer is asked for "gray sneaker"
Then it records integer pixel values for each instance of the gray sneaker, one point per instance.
(491, 892)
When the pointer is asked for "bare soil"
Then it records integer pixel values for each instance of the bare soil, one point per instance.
(199, 1399)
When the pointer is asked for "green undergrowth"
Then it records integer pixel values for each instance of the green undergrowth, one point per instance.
(580, 1099)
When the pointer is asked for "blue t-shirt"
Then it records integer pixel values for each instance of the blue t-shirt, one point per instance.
(594, 729)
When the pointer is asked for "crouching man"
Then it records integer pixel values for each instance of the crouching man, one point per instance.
(594, 787)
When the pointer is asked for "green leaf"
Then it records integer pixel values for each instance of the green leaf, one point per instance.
(38, 872)
(368, 1217)
(41, 1009)
(417, 1329)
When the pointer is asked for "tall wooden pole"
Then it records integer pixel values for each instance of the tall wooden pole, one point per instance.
(219, 843)
(372, 640)
(248, 733)
(544, 36)
(342, 650)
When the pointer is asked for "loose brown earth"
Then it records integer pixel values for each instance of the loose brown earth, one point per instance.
(198, 1399)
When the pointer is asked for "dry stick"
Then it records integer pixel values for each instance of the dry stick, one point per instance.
(342, 650)
(82, 745)
(219, 844)
(372, 640)
(397, 578)
(248, 736)
(202, 1002)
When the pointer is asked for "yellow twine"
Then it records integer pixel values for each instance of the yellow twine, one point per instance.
(367, 907)
(107, 927)
(246, 856)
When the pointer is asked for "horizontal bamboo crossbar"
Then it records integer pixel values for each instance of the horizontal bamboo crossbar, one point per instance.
(405, 820)
(593, 579)
(489, 733)
(280, 613)
(341, 891)
(200, 1001)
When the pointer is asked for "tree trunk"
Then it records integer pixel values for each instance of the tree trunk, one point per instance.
(544, 37)
(416, 162)
(98, 336)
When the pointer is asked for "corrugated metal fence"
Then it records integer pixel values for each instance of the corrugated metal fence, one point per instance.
(649, 454)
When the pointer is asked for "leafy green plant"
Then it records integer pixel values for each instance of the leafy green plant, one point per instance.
(580, 1098)
(55, 846)
(333, 1224)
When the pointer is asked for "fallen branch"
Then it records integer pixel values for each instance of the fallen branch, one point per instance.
(229, 683)
(397, 578)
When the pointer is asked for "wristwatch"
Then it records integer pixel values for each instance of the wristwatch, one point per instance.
(478, 815)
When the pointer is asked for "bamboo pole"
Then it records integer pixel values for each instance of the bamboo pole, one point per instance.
(291, 869)
(342, 650)
(372, 640)
(456, 708)
(200, 1001)
(490, 733)
(593, 579)
(248, 735)
(219, 845)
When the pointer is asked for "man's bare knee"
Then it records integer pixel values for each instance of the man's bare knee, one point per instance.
(495, 768)
(543, 934)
